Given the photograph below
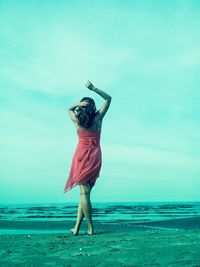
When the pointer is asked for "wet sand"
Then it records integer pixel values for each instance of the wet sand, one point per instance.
(172, 243)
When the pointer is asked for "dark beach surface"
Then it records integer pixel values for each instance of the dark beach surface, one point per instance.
(142, 242)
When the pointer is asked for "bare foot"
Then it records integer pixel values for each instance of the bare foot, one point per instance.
(90, 232)
(73, 231)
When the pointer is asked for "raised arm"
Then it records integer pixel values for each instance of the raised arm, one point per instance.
(102, 111)
(72, 108)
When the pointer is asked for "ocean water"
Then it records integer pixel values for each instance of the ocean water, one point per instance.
(102, 211)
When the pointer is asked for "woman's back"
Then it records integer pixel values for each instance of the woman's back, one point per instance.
(96, 126)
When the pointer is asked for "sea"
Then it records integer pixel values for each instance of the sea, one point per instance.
(14, 217)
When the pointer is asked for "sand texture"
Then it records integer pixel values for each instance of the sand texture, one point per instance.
(140, 246)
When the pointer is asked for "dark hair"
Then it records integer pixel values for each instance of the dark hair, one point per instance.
(87, 113)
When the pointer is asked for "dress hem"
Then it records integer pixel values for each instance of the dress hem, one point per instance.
(71, 187)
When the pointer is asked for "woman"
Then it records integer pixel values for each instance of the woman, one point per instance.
(87, 159)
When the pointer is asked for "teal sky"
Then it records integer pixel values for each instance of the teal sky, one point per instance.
(145, 54)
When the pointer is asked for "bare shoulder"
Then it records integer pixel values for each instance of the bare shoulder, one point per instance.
(98, 121)
(97, 125)
(76, 125)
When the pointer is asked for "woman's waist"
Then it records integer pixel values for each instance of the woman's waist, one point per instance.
(83, 143)
(86, 144)
(89, 141)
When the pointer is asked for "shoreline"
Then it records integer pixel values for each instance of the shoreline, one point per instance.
(116, 226)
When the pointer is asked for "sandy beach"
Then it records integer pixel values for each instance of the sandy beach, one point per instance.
(175, 243)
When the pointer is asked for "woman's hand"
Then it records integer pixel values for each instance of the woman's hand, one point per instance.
(79, 104)
(89, 85)
(82, 104)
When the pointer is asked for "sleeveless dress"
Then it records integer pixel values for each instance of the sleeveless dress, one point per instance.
(87, 160)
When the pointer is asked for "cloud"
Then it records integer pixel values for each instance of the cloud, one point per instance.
(149, 156)
(60, 61)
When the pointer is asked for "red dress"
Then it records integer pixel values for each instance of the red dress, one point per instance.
(87, 160)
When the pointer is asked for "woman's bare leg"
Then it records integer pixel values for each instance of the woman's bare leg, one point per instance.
(87, 206)
(80, 216)
(85, 193)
